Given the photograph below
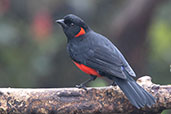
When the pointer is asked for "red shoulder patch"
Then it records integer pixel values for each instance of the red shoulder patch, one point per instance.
(87, 69)
(82, 32)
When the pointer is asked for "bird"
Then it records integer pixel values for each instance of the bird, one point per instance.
(97, 56)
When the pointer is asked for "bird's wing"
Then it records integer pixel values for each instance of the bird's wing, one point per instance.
(102, 60)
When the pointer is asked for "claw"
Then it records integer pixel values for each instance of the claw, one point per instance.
(81, 86)
(113, 84)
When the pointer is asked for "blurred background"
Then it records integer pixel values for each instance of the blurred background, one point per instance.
(33, 47)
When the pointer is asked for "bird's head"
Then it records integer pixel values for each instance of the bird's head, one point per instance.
(73, 26)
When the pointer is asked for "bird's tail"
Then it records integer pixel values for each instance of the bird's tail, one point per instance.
(135, 93)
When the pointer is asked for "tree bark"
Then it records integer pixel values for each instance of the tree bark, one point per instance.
(104, 100)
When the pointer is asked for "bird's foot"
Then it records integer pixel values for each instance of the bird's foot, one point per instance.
(113, 84)
(81, 86)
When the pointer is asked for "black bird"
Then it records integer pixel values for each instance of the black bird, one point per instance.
(95, 55)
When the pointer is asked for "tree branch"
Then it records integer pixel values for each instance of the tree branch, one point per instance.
(72, 100)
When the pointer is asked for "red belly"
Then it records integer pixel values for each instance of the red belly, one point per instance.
(87, 69)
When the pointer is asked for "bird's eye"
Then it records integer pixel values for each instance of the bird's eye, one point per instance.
(72, 24)
(68, 22)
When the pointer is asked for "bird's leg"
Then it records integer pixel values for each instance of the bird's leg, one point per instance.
(83, 85)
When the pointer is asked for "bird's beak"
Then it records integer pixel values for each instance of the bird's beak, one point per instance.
(61, 22)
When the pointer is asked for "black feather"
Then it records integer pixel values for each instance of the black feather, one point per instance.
(134, 92)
